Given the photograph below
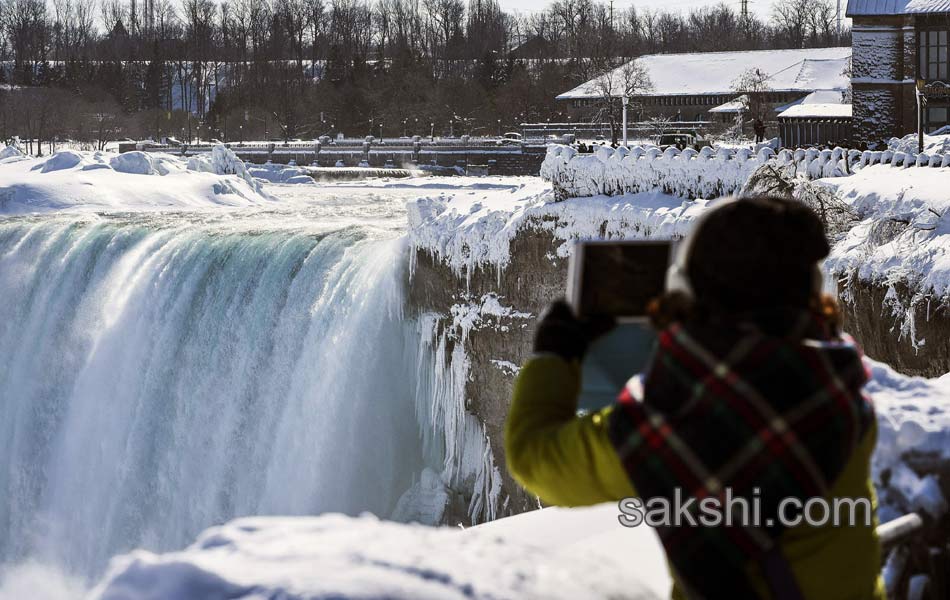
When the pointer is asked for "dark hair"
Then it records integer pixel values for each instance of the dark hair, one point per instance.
(755, 254)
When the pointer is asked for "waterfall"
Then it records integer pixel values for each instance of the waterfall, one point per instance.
(160, 374)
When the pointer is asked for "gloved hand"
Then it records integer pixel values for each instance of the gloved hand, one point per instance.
(561, 332)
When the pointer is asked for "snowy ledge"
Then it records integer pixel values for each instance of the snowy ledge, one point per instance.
(475, 230)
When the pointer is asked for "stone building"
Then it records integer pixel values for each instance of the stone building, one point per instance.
(899, 45)
(701, 86)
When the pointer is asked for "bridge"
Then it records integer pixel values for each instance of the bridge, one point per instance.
(494, 156)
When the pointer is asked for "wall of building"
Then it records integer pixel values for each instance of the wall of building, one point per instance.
(682, 108)
(882, 78)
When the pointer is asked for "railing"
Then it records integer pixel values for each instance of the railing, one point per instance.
(707, 173)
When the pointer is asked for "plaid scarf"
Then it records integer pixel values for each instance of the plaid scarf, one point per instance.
(770, 408)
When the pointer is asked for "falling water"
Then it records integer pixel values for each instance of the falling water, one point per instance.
(160, 374)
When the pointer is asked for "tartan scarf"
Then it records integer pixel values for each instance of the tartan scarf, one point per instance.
(772, 403)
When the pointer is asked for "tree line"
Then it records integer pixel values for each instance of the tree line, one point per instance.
(302, 68)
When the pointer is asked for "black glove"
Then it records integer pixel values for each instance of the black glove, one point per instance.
(561, 332)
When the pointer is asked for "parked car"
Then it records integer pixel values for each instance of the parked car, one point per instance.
(680, 140)
(510, 138)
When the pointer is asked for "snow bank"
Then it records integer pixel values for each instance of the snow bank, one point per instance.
(475, 229)
(274, 173)
(939, 143)
(913, 420)
(903, 238)
(75, 180)
(333, 556)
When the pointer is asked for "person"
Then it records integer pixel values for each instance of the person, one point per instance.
(751, 392)
(759, 128)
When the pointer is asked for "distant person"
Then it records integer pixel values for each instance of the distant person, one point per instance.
(752, 391)
(759, 128)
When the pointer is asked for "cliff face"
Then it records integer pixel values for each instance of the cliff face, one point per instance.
(907, 330)
(496, 342)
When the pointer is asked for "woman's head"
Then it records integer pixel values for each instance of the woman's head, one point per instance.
(749, 255)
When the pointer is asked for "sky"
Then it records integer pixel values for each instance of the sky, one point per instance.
(759, 7)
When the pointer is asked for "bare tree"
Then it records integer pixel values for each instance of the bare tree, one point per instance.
(630, 79)
(752, 85)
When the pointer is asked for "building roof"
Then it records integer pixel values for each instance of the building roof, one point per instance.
(863, 8)
(736, 105)
(704, 73)
(817, 111)
(817, 105)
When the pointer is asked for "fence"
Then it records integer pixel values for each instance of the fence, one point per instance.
(708, 173)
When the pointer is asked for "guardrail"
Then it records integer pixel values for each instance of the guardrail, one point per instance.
(707, 173)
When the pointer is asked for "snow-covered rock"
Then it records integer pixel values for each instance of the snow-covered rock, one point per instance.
(904, 233)
(913, 418)
(476, 229)
(77, 180)
(275, 173)
(551, 554)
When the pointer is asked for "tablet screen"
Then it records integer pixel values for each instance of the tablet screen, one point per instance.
(618, 279)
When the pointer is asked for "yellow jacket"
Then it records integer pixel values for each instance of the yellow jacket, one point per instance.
(568, 460)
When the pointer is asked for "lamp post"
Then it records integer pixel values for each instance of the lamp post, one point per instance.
(499, 127)
(432, 130)
(920, 117)
(241, 130)
(626, 101)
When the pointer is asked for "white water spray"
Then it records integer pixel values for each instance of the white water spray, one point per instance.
(162, 374)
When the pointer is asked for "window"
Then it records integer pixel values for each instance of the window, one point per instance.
(932, 54)
(937, 117)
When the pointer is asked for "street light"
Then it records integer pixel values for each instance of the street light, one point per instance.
(626, 101)
(499, 127)
(432, 130)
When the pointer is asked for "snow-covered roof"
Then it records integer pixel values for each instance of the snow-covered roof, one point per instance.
(817, 111)
(816, 97)
(895, 7)
(701, 73)
(733, 106)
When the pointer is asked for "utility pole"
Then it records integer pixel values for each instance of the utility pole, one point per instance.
(838, 17)
(744, 11)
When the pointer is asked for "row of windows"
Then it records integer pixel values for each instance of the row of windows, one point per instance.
(711, 100)
(932, 54)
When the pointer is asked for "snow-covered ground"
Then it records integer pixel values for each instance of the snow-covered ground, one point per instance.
(73, 179)
(551, 554)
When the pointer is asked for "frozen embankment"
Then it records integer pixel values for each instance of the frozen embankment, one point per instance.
(484, 264)
(893, 265)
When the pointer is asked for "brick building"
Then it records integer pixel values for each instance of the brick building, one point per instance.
(897, 45)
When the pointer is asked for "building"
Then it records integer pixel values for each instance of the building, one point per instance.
(702, 86)
(822, 117)
(899, 45)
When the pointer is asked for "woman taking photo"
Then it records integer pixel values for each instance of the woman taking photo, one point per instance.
(752, 392)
